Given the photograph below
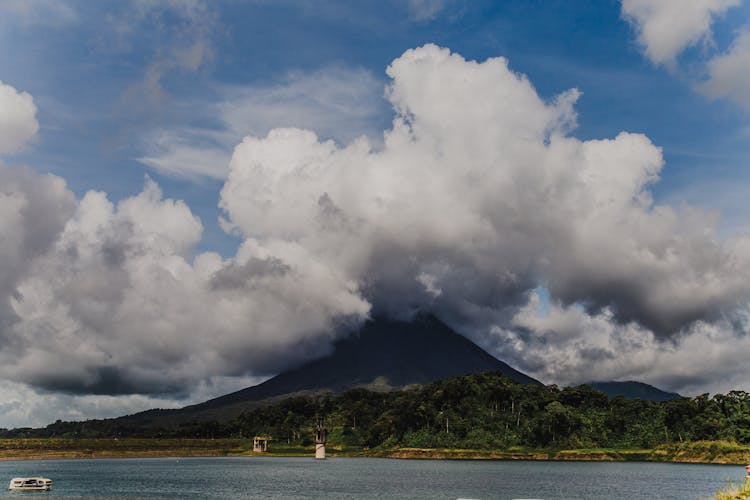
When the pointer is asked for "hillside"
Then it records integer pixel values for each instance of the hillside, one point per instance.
(484, 411)
(634, 390)
(382, 355)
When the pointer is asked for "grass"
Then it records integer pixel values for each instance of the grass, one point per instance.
(31, 448)
(716, 452)
(732, 492)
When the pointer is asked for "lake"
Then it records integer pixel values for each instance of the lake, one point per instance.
(294, 477)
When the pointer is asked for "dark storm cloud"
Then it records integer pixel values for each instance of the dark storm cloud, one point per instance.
(109, 380)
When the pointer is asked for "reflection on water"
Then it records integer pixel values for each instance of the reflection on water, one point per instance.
(288, 478)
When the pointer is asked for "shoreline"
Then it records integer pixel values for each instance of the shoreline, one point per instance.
(69, 449)
(579, 455)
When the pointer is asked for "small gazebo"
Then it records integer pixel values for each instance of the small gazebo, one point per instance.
(260, 444)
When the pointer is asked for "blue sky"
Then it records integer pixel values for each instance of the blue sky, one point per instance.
(80, 64)
(201, 249)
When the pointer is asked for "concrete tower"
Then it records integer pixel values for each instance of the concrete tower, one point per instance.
(320, 443)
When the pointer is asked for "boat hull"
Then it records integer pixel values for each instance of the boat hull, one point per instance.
(30, 484)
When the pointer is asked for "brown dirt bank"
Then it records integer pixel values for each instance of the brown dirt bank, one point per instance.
(708, 452)
(714, 452)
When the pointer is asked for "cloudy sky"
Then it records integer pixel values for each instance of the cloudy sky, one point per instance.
(197, 195)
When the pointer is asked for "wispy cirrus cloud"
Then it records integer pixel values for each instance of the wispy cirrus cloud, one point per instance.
(339, 103)
(181, 41)
(425, 10)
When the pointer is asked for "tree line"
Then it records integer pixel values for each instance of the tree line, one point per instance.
(480, 411)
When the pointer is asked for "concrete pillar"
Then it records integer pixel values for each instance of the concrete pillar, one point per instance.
(320, 443)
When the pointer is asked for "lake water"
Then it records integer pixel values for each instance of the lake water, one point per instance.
(276, 477)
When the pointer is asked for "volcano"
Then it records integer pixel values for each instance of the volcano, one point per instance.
(383, 355)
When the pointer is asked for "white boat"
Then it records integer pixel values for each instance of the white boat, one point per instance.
(30, 484)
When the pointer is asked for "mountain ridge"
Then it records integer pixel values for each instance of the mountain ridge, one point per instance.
(382, 355)
(633, 389)
(353, 358)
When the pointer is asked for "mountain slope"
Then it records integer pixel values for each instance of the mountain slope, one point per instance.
(634, 390)
(400, 353)
(383, 354)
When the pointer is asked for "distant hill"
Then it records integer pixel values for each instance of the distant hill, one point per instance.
(382, 355)
(634, 390)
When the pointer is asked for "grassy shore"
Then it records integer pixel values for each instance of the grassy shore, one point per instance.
(732, 492)
(704, 452)
(54, 448)
(716, 452)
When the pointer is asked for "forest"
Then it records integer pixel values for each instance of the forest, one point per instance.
(481, 411)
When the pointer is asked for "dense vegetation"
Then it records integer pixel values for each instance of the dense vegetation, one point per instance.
(482, 411)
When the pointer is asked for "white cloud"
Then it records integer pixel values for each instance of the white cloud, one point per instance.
(478, 188)
(477, 184)
(339, 103)
(729, 73)
(667, 27)
(17, 120)
(477, 196)
(34, 211)
(116, 306)
(567, 346)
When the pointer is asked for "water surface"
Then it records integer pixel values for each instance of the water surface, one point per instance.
(294, 477)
